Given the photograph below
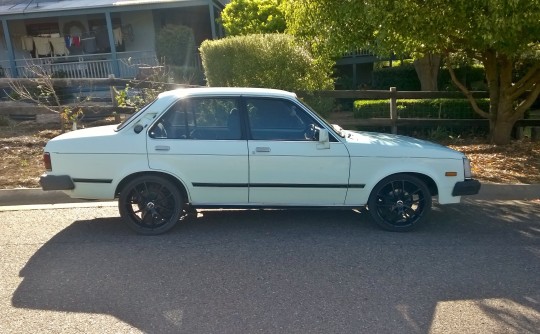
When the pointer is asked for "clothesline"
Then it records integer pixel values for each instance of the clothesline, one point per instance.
(47, 44)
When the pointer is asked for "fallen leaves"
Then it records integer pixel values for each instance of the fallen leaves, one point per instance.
(517, 162)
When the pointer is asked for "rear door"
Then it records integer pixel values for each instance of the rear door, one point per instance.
(199, 140)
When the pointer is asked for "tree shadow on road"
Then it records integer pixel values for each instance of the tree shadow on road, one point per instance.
(292, 271)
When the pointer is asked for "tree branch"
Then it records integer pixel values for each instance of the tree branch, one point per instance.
(533, 78)
(525, 80)
(527, 103)
(465, 91)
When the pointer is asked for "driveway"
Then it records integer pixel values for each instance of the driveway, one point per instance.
(474, 267)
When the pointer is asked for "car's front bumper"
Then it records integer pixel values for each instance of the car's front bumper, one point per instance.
(56, 182)
(467, 187)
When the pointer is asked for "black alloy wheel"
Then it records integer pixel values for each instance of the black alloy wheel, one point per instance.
(151, 204)
(399, 202)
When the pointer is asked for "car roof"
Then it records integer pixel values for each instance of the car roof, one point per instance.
(226, 91)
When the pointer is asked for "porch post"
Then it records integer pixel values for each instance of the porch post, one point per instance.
(212, 19)
(115, 67)
(9, 45)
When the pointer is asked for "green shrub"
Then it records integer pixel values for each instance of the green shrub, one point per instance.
(263, 60)
(187, 75)
(404, 78)
(175, 45)
(416, 108)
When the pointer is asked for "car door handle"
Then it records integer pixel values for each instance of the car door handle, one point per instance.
(162, 148)
(262, 149)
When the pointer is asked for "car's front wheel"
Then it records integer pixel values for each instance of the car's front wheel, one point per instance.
(151, 204)
(399, 202)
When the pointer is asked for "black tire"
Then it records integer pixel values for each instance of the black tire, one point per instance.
(150, 204)
(399, 202)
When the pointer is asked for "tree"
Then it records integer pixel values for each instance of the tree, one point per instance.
(502, 35)
(243, 17)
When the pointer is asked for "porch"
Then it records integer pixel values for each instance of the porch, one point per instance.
(123, 65)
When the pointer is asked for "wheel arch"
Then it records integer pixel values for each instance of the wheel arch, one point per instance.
(430, 183)
(428, 180)
(169, 177)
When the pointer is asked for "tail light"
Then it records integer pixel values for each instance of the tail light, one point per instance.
(47, 161)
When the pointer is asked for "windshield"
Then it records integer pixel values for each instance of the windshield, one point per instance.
(133, 116)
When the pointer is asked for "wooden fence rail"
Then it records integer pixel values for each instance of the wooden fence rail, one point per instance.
(394, 121)
(345, 119)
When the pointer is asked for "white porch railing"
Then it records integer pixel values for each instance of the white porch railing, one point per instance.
(85, 66)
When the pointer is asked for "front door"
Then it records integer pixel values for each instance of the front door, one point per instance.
(287, 166)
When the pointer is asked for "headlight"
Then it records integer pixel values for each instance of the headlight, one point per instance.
(467, 168)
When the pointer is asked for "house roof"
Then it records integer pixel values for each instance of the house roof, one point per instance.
(37, 8)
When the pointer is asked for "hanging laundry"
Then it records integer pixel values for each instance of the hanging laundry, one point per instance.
(43, 46)
(67, 40)
(27, 43)
(75, 41)
(59, 46)
(118, 37)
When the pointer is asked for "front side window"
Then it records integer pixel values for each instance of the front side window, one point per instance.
(272, 119)
(200, 118)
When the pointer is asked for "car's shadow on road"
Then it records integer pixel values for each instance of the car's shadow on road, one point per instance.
(293, 271)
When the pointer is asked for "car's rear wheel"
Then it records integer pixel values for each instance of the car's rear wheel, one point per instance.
(399, 202)
(151, 204)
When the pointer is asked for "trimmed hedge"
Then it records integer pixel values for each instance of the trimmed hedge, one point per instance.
(263, 60)
(416, 108)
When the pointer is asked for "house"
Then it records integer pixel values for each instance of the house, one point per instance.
(94, 39)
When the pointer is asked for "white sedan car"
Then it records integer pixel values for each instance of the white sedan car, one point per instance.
(250, 148)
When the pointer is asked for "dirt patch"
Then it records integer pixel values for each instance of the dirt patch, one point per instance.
(21, 149)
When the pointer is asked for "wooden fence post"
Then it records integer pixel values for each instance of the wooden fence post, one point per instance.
(393, 109)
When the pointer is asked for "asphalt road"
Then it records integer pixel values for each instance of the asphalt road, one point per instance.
(474, 268)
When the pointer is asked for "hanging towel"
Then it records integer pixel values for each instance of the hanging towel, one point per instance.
(75, 41)
(59, 46)
(118, 38)
(43, 47)
(27, 43)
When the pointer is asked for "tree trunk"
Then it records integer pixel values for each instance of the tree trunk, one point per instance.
(501, 131)
(427, 69)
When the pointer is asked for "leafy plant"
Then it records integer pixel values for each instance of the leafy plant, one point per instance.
(175, 45)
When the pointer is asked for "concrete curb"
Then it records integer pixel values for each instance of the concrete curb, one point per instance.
(489, 191)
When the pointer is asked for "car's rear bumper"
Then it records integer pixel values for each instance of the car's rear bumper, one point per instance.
(56, 182)
(467, 187)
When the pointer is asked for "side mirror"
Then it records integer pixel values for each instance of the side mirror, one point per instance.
(324, 139)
